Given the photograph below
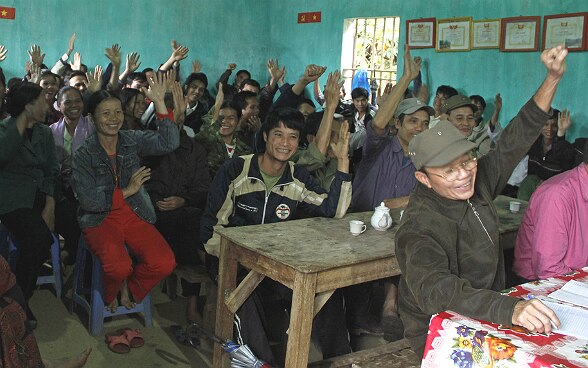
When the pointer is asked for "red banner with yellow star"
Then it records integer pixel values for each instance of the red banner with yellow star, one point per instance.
(310, 17)
(7, 13)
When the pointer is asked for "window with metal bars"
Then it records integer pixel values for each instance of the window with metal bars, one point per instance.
(370, 44)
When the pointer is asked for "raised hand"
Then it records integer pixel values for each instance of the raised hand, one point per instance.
(180, 102)
(156, 91)
(332, 89)
(94, 79)
(171, 79)
(313, 72)
(563, 122)
(412, 67)
(34, 73)
(72, 42)
(254, 123)
(498, 102)
(180, 52)
(35, 55)
(196, 66)
(273, 67)
(554, 61)
(133, 62)
(137, 179)
(113, 54)
(3, 52)
(77, 63)
(283, 78)
(232, 66)
(341, 147)
(382, 97)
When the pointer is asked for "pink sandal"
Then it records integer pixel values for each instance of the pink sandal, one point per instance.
(118, 344)
(132, 336)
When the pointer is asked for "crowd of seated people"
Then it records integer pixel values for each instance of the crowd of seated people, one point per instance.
(135, 158)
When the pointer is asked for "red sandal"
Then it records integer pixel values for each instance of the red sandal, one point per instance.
(118, 344)
(133, 337)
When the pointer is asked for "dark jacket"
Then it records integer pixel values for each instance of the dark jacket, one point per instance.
(194, 119)
(238, 196)
(181, 173)
(26, 166)
(560, 158)
(450, 259)
(93, 174)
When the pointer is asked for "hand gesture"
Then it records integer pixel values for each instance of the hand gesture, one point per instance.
(382, 97)
(137, 179)
(133, 62)
(72, 41)
(196, 66)
(171, 79)
(253, 123)
(534, 316)
(220, 95)
(157, 87)
(94, 79)
(232, 66)
(34, 72)
(554, 61)
(498, 102)
(3, 52)
(313, 72)
(332, 89)
(341, 147)
(170, 203)
(77, 63)
(180, 52)
(412, 68)
(563, 122)
(35, 55)
(113, 54)
(282, 80)
(273, 67)
(180, 102)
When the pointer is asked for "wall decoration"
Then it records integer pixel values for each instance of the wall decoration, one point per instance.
(420, 33)
(454, 34)
(486, 34)
(520, 34)
(7, 12)
(309, 17)
(565, 29)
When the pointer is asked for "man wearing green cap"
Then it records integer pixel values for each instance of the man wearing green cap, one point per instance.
(447, 245)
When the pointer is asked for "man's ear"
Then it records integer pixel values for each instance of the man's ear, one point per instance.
(422, 178)
(265, 137)
(397, 122)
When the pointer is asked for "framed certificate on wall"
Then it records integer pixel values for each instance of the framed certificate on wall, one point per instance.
(520, 34)
(454, 34)
(565, 29)
(486, 34)
(420, 33)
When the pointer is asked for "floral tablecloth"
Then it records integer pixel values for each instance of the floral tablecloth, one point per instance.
(458, 341)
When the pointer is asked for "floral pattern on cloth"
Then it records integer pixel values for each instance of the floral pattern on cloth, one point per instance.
(458, 341)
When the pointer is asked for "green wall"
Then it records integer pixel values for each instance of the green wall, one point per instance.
(217, 32)
(250, 31)
(485, 72)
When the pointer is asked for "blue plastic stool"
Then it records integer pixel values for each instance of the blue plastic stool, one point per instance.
(95, 307)
(10, 252)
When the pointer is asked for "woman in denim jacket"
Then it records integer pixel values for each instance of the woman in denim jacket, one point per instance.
(115, 209)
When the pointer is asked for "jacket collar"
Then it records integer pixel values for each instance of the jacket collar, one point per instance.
(124, 141)
(255, 171)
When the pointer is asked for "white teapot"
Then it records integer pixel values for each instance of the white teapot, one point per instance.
(381, 219)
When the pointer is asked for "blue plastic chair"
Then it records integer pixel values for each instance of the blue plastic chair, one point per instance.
(10, 252)
(91, 299)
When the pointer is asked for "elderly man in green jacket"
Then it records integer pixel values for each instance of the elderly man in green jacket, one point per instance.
(448, 242)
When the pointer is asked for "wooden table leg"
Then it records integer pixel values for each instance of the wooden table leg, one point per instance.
(301, 320)
(227, 281)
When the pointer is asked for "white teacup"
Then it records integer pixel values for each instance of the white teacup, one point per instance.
(356, 227)
(515, 206)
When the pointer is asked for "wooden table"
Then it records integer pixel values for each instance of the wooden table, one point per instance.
(313, 257)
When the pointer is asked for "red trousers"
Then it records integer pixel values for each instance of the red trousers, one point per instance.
(107, 241)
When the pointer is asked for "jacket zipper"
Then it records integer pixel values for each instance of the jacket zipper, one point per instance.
(267, 194)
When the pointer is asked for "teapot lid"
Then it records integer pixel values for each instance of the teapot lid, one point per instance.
(383, 207)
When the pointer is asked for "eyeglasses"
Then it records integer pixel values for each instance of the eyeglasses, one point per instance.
(452, 173)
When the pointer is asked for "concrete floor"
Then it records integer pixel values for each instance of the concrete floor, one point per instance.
(61, 334)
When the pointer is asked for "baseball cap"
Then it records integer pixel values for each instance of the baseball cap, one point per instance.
(456, 101)
(412, 105)
(438, 146)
